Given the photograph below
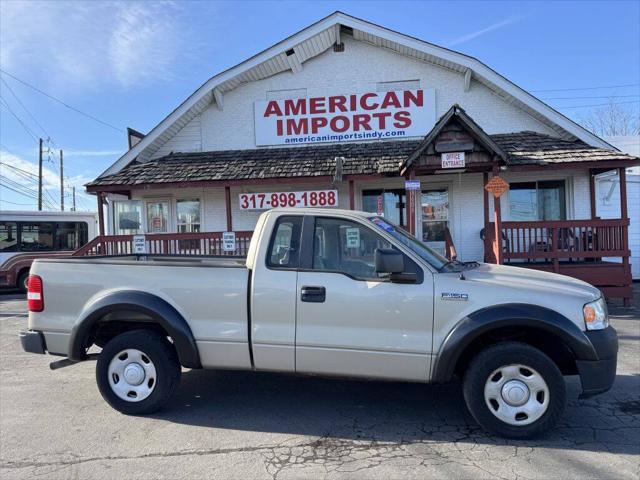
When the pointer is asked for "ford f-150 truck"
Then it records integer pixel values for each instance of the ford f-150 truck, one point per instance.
(328, 292)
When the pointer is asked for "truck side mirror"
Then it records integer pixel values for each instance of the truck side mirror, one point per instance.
(388, 260)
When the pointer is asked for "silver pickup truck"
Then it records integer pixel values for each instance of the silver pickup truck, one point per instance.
(328, 292)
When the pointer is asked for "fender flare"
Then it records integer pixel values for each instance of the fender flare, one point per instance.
(508, 315)
(161, 312)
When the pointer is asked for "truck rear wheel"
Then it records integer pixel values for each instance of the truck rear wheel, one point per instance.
(514, 390)
(137, 372)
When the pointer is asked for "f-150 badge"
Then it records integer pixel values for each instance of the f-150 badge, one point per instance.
(455, 296)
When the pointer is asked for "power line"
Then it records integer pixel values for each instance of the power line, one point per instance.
(19, 169)
(586, 88)
(23, 106)
(605, 96)
(600, 104)
(62, 102)
(26, 128)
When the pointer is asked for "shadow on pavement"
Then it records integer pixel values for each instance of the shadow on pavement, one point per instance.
(386, 411)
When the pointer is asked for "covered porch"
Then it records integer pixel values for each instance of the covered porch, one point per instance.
(590, 248)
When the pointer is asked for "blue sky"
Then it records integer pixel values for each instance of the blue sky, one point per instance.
(131, 63)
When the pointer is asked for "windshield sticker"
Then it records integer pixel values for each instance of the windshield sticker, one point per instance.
(382, 224)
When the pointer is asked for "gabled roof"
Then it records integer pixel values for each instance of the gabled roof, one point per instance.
(457, 112)
(312, 41)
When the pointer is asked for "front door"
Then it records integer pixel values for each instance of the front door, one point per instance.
(350, 321)
(435, 217)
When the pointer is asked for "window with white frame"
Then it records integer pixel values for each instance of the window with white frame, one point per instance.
(542, 200)
(188, 215)
(127, 217)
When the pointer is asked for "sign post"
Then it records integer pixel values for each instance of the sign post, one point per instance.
(497, 186)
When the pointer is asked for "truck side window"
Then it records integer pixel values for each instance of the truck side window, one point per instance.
(346, 247)
(284, 247)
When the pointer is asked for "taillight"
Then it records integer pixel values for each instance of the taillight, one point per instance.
(35, 297)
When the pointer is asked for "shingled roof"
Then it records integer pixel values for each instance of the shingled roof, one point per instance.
(378, 157)
(532, 148)
(308, 161)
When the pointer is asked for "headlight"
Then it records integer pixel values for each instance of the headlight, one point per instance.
(595, 315)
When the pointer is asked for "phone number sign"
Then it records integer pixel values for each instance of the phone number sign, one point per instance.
(309, 198)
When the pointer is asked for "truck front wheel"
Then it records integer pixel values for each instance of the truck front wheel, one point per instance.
(514, 390)
(137, 372)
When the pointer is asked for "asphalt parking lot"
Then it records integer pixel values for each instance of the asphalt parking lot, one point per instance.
(54, 424)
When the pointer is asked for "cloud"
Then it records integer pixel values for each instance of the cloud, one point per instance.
(17, 169)
(92, 44)
(483, 31)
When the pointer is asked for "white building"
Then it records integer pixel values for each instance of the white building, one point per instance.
(342, 113)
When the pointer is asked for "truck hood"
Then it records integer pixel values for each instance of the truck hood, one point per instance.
(528, 279)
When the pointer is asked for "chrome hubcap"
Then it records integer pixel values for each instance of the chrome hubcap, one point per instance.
(516, 394)
(132, 375)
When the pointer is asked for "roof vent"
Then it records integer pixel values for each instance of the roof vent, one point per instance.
(338, 47)
(345, 29)
(289, 52)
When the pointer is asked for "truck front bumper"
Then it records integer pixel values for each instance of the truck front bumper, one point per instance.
(32, 341)
(597, 376)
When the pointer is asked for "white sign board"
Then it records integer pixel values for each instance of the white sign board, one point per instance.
(228, 241)
(453, 160)
(309, 198)
(353, 237)
(344, 118)
(139, 245)
(412, 185)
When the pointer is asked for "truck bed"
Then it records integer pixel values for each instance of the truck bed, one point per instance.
(209, 291)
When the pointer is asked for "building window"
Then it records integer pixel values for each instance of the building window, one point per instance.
(532, 201)
(188, 215)
(127, 217)
(391, 204)
(158, 216)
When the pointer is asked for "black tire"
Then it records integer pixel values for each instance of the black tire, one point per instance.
(508, 353)
(164, 358)
(22, 281)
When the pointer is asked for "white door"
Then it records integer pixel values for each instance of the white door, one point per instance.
(349, 321)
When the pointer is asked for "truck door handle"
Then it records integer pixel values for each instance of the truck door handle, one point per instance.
(313, 294)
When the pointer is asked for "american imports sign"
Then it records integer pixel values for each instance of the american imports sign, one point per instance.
(343, 118)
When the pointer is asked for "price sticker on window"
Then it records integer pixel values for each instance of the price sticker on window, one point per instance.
(353, 237)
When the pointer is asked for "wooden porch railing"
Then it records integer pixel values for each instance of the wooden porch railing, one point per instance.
(561, 240)
(596, 251)
(205, 243)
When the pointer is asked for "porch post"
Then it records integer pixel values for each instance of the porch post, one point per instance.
(485, 197)
(227, 201)
(622, 173)
(99, 197)
(497, 219)
(352, 196)
(592, 193)
(411, 214)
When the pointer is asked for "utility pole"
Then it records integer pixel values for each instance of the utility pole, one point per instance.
(73, 208)
(40, 177)
(61, 184)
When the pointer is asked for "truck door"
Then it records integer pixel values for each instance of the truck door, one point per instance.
(273, 296)
(350, 321)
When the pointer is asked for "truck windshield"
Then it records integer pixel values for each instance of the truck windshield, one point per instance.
(429, 255)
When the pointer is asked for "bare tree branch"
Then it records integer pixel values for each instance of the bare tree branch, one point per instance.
(612, 119)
